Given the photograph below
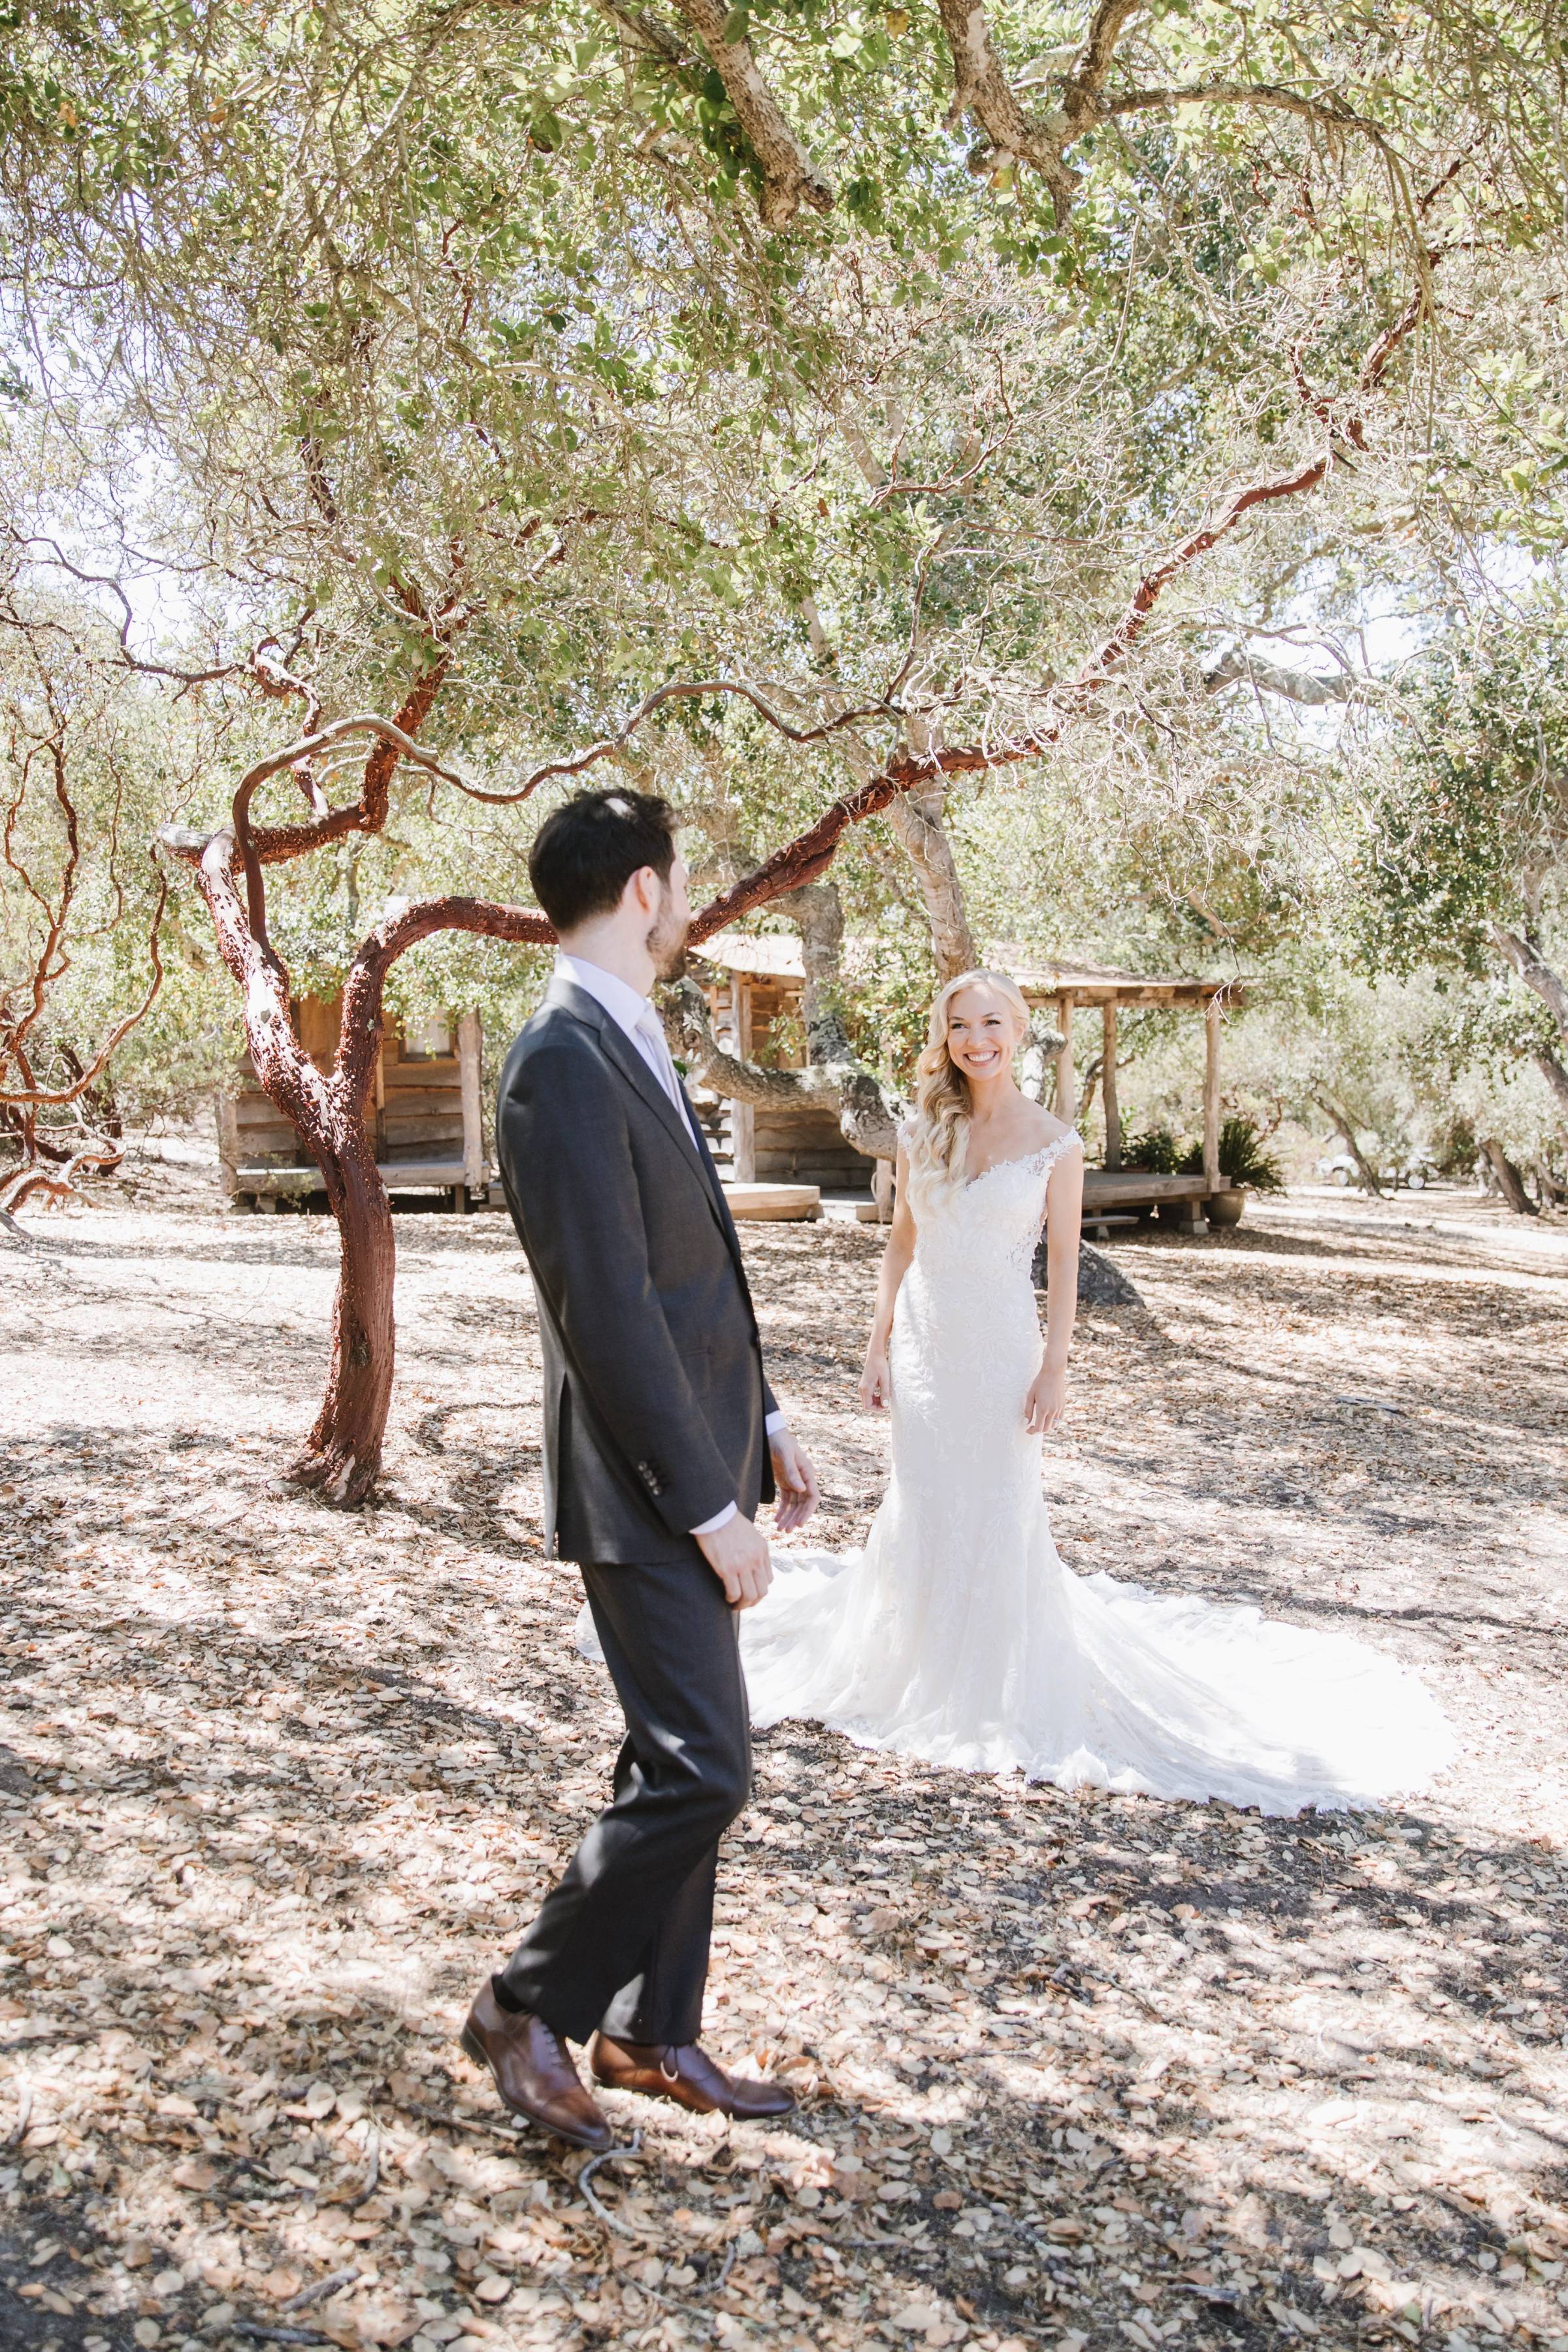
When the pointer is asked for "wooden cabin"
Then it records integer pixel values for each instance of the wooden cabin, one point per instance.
(754, 988)
(429, 1127)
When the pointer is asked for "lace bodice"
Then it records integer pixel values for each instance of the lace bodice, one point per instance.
(991, 1224)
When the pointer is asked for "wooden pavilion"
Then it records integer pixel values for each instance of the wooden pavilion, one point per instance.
(1114, 1193)
(754, 985)
(429, 1126)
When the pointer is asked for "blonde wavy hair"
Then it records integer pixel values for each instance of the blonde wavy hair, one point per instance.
(938, 1134)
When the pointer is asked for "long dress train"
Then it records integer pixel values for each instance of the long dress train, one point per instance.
(959, 1637)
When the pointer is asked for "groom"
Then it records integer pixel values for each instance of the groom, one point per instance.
(659, 1426)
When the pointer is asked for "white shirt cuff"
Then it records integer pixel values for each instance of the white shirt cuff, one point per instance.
(711, 1527)
(774, 1423)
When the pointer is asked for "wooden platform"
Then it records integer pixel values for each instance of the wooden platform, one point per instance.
(850, 1208)
(1106, 1189)
(1118, 1196)
(774, 1203)
(266, 1185)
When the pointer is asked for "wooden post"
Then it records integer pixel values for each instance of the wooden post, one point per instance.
(1065, 1103)
(1211, 1093)
(470, 1043)
(742, 1116)
(1107, 1088)
(228, 1139)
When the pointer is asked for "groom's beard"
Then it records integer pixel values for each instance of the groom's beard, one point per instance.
(666, 941)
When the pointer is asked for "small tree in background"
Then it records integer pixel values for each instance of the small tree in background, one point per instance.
(74, 877)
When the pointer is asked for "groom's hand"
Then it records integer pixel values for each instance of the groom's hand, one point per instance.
(799, 1493)
(738, 1555)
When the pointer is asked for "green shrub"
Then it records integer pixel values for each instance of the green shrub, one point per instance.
(1158, 1152)
(1242, 1159)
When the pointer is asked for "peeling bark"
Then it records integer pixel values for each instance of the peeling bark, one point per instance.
(916, 818)
(341, 1456)
(329, 1113)
(790, 177)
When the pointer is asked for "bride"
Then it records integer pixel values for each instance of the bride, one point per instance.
(958, 1635)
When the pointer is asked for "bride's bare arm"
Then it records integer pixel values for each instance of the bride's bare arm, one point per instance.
(875, 1385)
(1063, 1219)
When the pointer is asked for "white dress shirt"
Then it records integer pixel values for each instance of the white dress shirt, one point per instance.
(632, 1013)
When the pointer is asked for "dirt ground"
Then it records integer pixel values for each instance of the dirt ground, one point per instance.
(279, 1786)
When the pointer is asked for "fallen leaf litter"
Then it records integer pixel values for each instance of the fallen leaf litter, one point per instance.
(279, 1786)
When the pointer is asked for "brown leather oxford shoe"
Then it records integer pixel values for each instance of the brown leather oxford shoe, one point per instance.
(688, 2075)
(533, 2072)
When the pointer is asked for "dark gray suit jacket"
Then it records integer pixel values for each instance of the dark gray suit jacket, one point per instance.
(654, 1397)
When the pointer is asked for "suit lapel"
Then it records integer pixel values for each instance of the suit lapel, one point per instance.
(721, 1205)
(624, 1057)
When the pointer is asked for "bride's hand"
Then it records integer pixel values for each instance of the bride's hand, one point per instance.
(1046, 1400)
(876, 1383)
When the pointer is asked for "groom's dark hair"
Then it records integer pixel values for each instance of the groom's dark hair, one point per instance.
(587, 850)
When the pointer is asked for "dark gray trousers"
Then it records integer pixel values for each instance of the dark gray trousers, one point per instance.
(622, 1942)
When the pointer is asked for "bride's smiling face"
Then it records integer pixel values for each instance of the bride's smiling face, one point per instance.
(981, 1034)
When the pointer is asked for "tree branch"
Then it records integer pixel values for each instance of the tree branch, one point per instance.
(20, 1185)
(865, 1119)
(790, 178)
(807, 857)
(916, 817)
(1535, 972)
(272, 845)
(1235, 665)
(51, 963)
(1327, 112)
(53, 1097)
(359, 1027)
(1555, 1076)
(981, 88)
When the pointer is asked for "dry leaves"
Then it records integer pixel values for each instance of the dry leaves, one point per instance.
(279, 1785)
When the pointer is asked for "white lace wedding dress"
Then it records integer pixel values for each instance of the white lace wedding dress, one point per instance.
(959, 1637)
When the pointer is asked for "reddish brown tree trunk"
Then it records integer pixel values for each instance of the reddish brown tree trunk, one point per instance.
(341, 1456)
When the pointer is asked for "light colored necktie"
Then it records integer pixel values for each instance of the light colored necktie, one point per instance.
(650, 1028)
